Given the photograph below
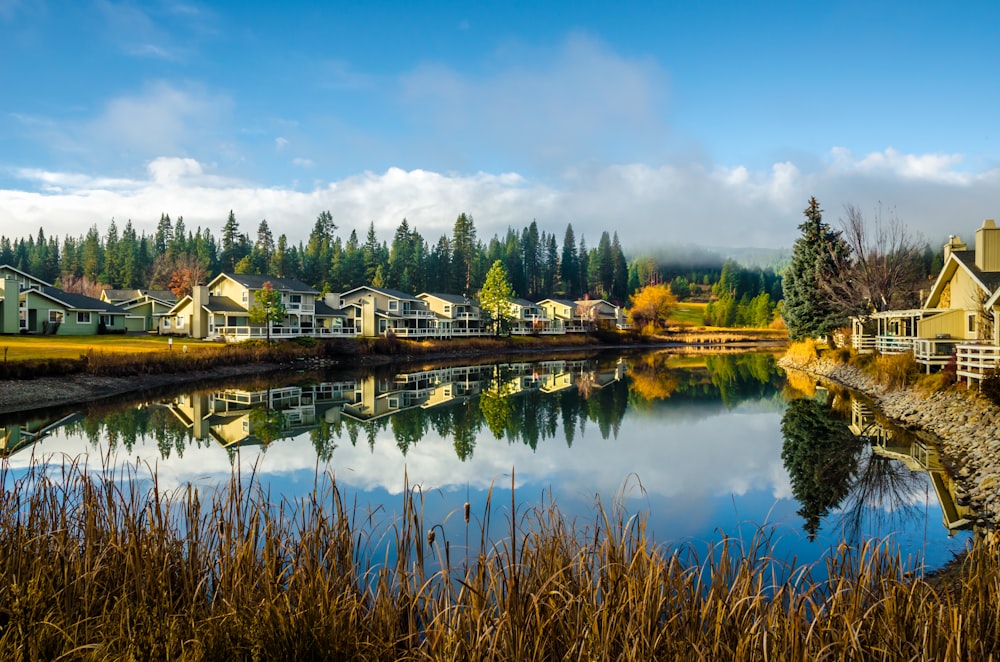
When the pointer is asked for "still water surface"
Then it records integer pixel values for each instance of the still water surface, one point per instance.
(700, 446)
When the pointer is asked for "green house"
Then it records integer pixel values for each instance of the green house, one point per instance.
(49, 310)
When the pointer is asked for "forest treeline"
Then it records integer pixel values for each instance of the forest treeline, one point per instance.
(538, 263)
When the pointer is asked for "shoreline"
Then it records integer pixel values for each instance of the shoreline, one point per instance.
(963, 421)
(23, 397)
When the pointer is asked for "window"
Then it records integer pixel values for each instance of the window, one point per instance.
(447, 309)
(166, 322)
(295, 298)
(83, 318)
(246, 296)
(180, 322)
(393, 304)
(107, 320)
(972, 323)
(55, 317)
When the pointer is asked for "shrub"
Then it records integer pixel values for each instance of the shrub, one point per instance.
(803, 351)
(896, 371)
(990, 386)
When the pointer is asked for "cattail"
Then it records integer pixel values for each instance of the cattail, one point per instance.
(430, 537)
(466, 512)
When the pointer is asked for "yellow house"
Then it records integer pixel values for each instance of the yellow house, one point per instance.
(956, 313)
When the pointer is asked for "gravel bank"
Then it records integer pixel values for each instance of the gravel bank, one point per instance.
(965, 422)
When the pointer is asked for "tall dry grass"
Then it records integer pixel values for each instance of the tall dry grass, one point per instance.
(97, 567)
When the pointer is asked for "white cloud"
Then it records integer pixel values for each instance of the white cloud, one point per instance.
(280, 143)
(648, 206)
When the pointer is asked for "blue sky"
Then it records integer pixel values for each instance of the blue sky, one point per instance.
(671, 123)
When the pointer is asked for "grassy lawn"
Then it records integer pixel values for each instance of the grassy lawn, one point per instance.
(19, 348)
(689, 313)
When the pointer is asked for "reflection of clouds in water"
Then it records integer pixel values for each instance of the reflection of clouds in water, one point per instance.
(690, 459)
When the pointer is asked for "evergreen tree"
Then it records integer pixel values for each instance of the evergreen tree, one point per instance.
(569, 267)
(463, 244)
(231, 242)
(806, 311)
(619, 273)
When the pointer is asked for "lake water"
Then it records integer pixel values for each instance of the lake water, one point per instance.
(701, 446)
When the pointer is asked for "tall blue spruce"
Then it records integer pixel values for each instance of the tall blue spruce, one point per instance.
(807, 310)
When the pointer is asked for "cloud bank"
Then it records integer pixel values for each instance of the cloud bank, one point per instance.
(648, 206)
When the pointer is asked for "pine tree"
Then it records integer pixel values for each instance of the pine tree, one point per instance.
(815, 254)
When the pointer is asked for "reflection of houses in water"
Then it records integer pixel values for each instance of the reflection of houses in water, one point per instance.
(917, 456)
(234, 417)
(228, 416)
(17, 436)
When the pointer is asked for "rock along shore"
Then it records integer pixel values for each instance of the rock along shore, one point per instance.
(964, 421)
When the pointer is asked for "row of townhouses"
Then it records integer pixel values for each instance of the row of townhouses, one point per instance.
(220, 310)
(960, 316)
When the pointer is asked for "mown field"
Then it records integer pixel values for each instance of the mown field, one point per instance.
(19, 348)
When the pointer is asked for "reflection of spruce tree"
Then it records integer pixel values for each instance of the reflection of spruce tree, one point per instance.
(408, 427)
(529, 418)
(821, 456)
(466, 423)
(567, 405)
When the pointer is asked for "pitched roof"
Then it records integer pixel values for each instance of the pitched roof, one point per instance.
(80, 301)
(448, 298)
(256, 282)
(991, 279)
(323, 310)
(394, 294)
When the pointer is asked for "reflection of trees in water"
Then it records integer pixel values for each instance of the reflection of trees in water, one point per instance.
(880, 495)
(831, 468)
(122, 428)
(510, 410)
(733, 378)
(821, 455)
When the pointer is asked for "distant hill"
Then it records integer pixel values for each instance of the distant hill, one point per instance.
(775, 259)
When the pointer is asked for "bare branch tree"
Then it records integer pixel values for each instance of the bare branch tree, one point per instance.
(884, 270)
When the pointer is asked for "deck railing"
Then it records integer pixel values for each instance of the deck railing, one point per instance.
(894, 344)
(977, 360)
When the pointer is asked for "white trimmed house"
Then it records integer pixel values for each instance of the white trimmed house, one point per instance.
(144, 307)
(457, 316)
(960, 316)
(221, 310)
(30, 305)
(382, 311)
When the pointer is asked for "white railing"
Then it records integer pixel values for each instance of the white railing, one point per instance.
(863, 344)
(236, 333)
(977, 360)
(933, 351)
(894, 344)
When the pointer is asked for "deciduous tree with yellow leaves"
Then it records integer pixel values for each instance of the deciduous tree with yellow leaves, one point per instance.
(651, 306)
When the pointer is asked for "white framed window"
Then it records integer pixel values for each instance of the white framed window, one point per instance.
(246, 296)
(971, 319)
(55, 317)
(447, 309)
(107, 320)
(166, 322)
(393, 304)
(82, 317)
(180, 322)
